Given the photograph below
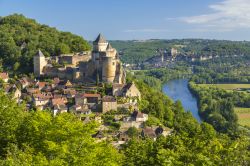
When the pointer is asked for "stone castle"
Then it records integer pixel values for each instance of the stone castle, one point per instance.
(102, 64)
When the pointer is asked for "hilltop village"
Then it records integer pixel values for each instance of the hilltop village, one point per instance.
(91, 85)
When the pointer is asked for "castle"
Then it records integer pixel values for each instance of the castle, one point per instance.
(102, 64)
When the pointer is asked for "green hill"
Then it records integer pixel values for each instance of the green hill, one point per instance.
(21, 37)
(133, 51)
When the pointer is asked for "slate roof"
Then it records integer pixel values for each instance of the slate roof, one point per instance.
(100, 39)
(39, 53)
(109, 47)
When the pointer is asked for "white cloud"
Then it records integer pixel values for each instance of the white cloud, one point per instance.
(227, 15)
(146, 30)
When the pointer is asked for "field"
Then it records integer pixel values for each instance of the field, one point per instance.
(228, 86)
(243, 115)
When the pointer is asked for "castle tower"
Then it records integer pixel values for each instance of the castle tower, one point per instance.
(100, 44)
(110, 51)
(39, 63)
(108, 69)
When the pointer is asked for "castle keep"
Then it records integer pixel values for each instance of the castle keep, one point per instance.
(101, 64)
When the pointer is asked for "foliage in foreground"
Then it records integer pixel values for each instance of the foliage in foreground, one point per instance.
(38, 138)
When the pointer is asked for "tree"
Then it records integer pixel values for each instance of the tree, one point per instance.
(132, 132)
(11, 116)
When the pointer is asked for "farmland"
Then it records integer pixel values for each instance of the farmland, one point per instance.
(228, 86)
(243, 116)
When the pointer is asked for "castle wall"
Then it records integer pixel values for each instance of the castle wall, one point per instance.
(100, 47)
(103, 60)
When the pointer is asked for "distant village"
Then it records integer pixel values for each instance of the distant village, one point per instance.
(168, 57)
(91, 85)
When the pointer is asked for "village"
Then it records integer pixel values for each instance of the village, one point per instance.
(91, 85)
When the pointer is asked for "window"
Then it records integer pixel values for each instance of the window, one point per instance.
(113, 63)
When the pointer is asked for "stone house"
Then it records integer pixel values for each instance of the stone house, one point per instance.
(80, 99)
(59, 101)
(32, 91)
(149, 132)
(70, 93)
(41, 85)
(132, 91)
(12, 89)
(126, 90)
(139, 116)
(108, 103)
(92, 98)
(41, 99)
(25, 82)
(59, 108)
(165, 131)
(117, 89)
(80, 109)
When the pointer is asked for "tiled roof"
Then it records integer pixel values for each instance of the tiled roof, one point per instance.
(41, 84)
(42, 96)
(4, 75)
(91, 95)
(108, 99)
(58, 101)
(109, 47)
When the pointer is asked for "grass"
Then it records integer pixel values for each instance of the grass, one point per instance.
(243, 116)
(227, 86)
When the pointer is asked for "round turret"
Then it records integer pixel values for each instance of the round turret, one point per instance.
(108, 69)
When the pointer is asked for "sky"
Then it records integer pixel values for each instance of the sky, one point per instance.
(140, 19)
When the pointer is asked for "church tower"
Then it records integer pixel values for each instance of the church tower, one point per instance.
(39, 63)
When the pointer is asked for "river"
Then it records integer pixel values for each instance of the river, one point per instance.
(178, 90)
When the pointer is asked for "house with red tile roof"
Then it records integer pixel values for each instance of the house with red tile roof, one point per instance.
(4, 76)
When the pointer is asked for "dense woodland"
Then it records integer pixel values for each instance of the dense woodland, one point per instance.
(22, 37)
(222, 70)
(216, 106)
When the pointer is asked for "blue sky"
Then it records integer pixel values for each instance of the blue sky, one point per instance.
(140, 19)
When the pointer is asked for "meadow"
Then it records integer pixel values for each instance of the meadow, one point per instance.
(227, 86)
(243, 115)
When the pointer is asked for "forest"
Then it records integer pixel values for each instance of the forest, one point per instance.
(21, 38)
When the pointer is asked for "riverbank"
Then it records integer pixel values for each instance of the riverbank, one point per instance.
(178, 90)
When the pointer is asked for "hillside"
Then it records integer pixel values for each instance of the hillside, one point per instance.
(21, 37)
(138, 51)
